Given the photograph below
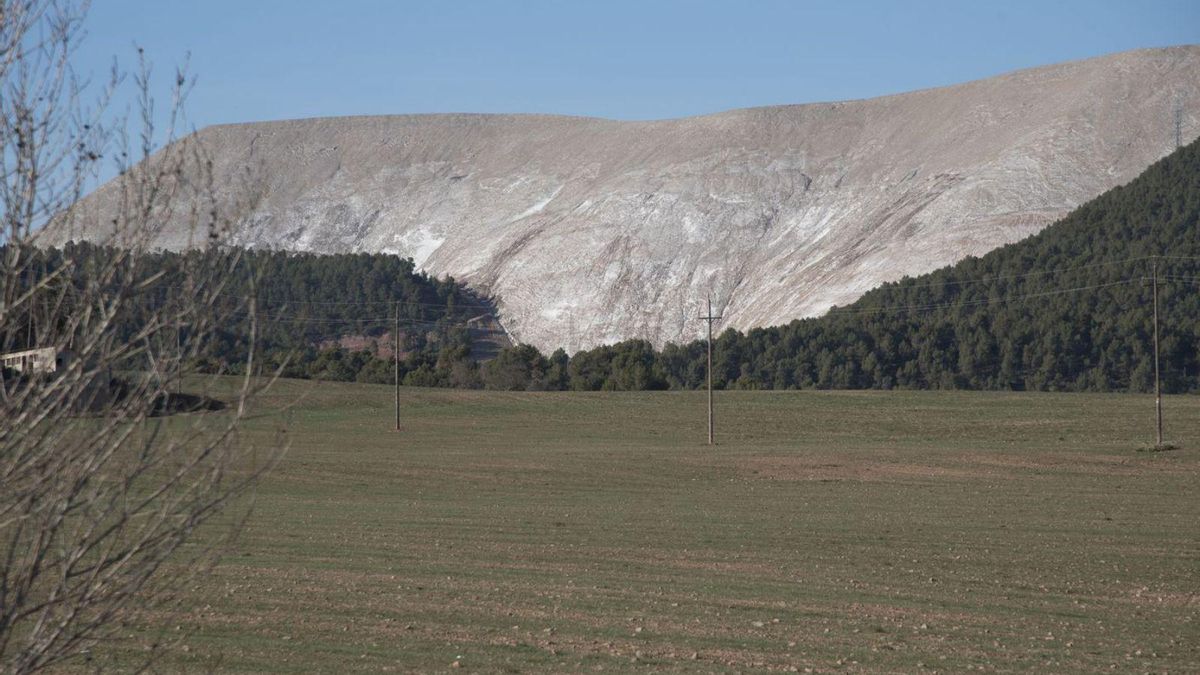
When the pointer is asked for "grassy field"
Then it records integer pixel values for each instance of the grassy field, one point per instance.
(855, 531)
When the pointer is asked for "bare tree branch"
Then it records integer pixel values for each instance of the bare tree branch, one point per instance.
(98, 492)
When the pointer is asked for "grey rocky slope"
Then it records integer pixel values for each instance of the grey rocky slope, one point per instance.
(590, 231)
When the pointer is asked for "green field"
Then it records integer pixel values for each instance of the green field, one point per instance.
(856, 531)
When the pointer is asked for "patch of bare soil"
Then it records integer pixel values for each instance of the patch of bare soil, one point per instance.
(821, 469)
(959, 466)
(443, 607)
(1145, 596)
(1076, 462)
(378, 345)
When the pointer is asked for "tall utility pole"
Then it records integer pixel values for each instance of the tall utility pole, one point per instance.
(396, 359)
(710, 318)
(1178, 122)
(179, 355)
(1157, 384)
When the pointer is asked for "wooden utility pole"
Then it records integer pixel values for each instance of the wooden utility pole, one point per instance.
(1178, 122)
(710, 318)
(1157, 383)
(179, 356)
(396, 360)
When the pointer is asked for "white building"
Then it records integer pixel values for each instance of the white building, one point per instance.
(44, 360)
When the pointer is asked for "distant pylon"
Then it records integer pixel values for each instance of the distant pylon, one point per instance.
(1157, 383)
(1178, 121)
(710, 318)
(396, 360)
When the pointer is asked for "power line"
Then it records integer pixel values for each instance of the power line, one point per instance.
(900, 284)
(1178, 121)
(395, 353)
(163, 290)
(710, 318)
(280, 318)
(1175, 257)
(973, 303)
(1157, 384)
(388, 303)
(1004, 277)
(382, 320)
(958, 303)
(839, 310)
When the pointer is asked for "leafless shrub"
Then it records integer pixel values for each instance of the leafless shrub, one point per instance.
(99, 496)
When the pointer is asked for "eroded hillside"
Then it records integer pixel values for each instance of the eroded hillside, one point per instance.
(590, 231)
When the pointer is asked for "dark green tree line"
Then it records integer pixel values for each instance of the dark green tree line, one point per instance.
(1068, 309)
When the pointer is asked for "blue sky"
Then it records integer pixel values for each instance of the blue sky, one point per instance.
(271, 59)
